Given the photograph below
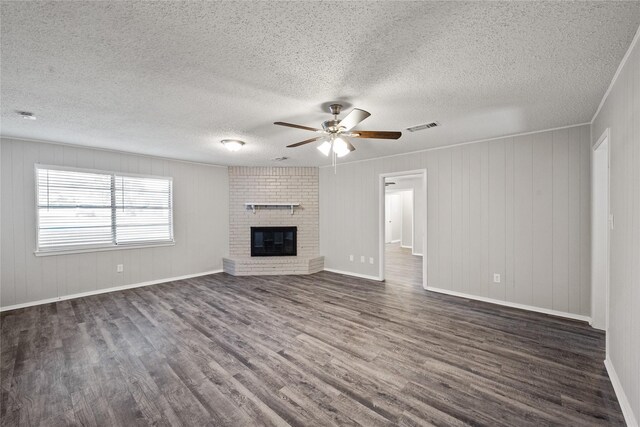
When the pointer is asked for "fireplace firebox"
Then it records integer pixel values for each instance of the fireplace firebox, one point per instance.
(273, 241)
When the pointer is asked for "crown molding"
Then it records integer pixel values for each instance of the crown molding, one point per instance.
(108, 150)
(444, 147)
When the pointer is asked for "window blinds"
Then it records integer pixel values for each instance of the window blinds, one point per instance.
(91, 209)
(143, 209)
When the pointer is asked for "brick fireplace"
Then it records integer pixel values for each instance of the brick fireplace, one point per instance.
(273, 190)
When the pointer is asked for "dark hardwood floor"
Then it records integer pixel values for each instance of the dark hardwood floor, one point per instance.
(311, 350)
(401, 266)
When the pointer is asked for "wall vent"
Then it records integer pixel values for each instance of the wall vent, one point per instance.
(424, 126)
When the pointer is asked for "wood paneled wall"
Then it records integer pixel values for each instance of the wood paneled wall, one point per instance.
(621, 114)
(201, 225)
(517, 206)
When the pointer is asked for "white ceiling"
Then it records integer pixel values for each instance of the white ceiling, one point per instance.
(174, 78)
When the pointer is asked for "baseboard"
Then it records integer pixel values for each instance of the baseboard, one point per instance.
(395, 241)
(105, 290)
(627, 412)
(349, 273)
(417, 254)
(512, 304)
(406, 247)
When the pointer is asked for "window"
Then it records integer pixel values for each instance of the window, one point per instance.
(83, 209)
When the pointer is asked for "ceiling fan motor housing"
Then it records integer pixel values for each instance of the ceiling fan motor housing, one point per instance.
(331, 126)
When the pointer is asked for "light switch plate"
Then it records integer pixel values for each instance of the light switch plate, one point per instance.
(496, 277)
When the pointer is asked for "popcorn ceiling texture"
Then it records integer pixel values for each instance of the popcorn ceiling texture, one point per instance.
(273, 185)
(172, 79)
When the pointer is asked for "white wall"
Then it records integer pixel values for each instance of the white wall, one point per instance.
(621, 114)
(518, 206)
(201, 225)
(407, 219)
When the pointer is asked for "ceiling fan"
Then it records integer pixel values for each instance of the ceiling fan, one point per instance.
(334, 133)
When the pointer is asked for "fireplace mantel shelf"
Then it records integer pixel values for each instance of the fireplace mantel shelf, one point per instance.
(254, 205)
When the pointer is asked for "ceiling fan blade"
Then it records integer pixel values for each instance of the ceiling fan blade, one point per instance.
(291, 125)
(376, 134)
(306, 141)
(353, 118)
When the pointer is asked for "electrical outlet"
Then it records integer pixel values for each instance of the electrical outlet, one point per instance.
(370, 260)
(496, 277)
(351, 258)
(119, 268)
(362, 258)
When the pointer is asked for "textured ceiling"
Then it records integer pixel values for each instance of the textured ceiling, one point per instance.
(174, 78)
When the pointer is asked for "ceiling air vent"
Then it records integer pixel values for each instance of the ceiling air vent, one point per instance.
(424, 126)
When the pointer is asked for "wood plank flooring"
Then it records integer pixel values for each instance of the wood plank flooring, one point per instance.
(401, 266)
(311, 350)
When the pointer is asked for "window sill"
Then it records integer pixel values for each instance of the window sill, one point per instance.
(106, 248)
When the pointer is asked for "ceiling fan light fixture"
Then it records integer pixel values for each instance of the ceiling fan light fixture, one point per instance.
(325, 148)
(334, 133)
(340, 147)
(232, 144)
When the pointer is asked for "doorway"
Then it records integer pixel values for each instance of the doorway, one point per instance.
(403, 228)
(601, 223)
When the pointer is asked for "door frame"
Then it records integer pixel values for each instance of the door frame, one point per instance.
(382, 219)
(606, 136)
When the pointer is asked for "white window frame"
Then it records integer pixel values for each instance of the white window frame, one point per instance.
(97, 248)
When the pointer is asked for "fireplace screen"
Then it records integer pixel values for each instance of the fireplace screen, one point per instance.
(273, 241)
